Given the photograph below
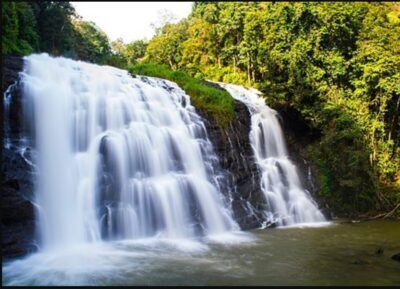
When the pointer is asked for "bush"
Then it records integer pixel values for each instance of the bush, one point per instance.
(216, 102)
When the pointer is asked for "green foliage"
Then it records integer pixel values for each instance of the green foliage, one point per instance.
(55, 27)
(9, 27)
(213, 101)
(345, 174)
(51, 27)
(91, 43)
(29, 27)
(19, 27)
(377, 82)
(165, 47)
(130, 53)
(338, 64)
(135, 50)
(28, 38)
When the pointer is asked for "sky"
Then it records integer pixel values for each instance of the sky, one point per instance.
(129, 20)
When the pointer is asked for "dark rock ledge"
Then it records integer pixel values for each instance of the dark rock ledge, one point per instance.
(17, 211)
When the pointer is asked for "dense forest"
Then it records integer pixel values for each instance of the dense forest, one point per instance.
(337, 64)
(55, 27)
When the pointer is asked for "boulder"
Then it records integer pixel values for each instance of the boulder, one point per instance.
(396, 257)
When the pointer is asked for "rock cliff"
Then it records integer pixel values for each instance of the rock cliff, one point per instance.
(17, 173)
(232, 145)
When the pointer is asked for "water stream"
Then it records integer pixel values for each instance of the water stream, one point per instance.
(119, 157)
(339, 254)
(288, 202)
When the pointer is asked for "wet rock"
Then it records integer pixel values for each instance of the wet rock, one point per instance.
(212, 84)
(11, 66)
(271, 225)
(232, 145)
(298, 136)
(233, 148)
(244, 217)
(396, 257)
(17, 177)
(17, 240)
(16, 206)
(14, 113)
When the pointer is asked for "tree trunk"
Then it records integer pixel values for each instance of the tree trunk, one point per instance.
(248, 68)
(253, 72)
(171, 64)
(394, 125)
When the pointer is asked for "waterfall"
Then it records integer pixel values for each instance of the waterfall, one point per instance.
(288, 203)
(119, 157)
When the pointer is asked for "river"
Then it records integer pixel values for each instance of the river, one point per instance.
(338, 254)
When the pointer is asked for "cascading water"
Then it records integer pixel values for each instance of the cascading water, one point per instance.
(288, 203)
(118, 157)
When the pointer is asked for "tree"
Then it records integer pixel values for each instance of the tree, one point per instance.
(9, 26)
(166, 47)
(136, 50)
(91, 42)
(132, 52)
(337, 64)
(55, 26)
(19, 28)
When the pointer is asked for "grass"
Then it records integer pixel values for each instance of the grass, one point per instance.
(214, 101)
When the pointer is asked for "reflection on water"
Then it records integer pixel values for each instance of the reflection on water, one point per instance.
(339, 254)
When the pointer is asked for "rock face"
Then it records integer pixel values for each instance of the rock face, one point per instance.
(13, 117)
(17, 174)
(11, 66)
(17, 210)
(232, 146)
(298, 135)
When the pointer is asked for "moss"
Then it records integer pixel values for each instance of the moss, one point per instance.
(214, 101)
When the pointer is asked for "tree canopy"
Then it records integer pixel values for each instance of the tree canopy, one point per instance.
(336, 63)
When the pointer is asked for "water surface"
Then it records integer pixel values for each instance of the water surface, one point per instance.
(338, 254)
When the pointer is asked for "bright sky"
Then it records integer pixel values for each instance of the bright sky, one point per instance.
(129, 20)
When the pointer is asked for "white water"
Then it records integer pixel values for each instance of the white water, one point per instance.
(118, 157)
(126, 177)
(288, 203)
(125, 172)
